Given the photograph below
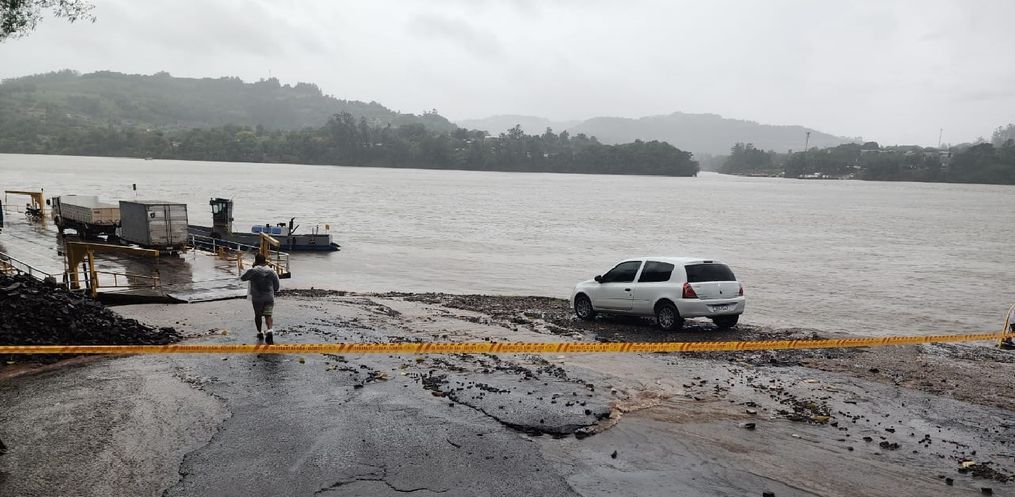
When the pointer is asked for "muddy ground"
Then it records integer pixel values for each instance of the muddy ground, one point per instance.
(979, 374)
(918, 420)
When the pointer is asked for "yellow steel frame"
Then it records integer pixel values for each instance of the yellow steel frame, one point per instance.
(267, 242)
(78, 253)
(38, 199)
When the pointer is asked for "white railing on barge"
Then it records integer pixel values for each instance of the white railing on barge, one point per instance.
(216, 245)
(9, 265)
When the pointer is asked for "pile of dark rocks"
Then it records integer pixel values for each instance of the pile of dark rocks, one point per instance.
(37, 313)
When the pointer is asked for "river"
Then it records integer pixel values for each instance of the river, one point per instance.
(869, 258)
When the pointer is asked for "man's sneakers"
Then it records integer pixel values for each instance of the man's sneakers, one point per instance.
(268, 337)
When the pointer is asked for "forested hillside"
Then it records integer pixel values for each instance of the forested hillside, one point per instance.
(159, 116)
(63, 99)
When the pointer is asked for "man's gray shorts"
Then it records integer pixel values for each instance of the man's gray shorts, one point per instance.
(264, 308)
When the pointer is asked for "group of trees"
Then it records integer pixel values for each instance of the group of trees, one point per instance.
(980, 163)
(1002, 135)
(19, 17)
(345, 140)
(163, 101)
(984, 163)
(746, 159)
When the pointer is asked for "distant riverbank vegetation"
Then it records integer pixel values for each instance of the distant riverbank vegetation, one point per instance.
(225, 119)
(344, 140)
(984, 162)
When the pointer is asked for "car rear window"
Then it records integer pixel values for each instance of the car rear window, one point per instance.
(655, 272)
(709, 272)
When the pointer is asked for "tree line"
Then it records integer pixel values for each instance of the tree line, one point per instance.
(344, 140)
(992, 163)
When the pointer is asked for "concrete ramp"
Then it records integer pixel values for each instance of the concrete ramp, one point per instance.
(207, 295)
(136, 297)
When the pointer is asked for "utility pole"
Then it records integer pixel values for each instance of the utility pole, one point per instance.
(807, 142)
(939, 135)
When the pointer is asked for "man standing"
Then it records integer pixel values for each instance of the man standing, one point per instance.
(1008, 342)
(263, 285)
(1011, 319)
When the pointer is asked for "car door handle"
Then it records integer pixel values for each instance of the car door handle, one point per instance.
(627, 289)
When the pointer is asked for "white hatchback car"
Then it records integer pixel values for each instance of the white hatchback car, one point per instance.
(669, 288)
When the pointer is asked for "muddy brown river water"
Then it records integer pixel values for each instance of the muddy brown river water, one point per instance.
(860, 257)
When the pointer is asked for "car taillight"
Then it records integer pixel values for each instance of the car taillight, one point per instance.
(741, 293)
(689, 292)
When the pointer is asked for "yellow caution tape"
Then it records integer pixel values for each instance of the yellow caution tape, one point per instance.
(494, 347)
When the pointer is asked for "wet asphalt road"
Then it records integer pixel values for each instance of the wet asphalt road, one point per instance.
(273, 425)
(466, 425)
(295, 431)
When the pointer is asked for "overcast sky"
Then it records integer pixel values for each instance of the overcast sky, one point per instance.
(893, 71)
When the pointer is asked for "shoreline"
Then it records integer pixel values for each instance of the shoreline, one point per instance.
(750, 421)
(552, 316)
(419, 168)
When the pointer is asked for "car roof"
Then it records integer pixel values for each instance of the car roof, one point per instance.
(677, 261)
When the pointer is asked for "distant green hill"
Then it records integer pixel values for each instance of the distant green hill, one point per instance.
(532, 125)
(702, 134)
(161, 101)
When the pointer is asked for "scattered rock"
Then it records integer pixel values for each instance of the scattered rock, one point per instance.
(614, 455)
(984, 471)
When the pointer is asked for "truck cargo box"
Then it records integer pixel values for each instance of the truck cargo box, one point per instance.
(155, 224)
(87, 209)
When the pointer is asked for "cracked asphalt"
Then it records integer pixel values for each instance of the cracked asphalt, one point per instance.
(472, 425)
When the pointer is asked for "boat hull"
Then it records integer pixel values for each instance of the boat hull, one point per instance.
(287, 243)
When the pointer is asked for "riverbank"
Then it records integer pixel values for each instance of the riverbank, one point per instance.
(832, 422)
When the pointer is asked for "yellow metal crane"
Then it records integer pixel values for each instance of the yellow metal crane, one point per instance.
(78, 253)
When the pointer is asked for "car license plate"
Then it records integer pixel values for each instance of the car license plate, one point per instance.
(721, 308)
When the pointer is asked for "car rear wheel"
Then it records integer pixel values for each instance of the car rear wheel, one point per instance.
(583, 308)
(668, 318)
(726, 322)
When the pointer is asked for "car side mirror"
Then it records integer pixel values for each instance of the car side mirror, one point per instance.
(599, 279)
